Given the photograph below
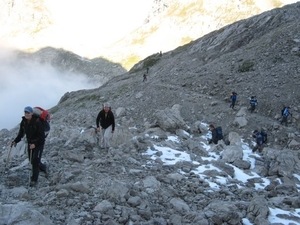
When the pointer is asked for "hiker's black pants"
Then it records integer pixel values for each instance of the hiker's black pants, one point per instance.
(35, 160)
(284, 120)
(252, 108)
(257, 147)
(232, 104)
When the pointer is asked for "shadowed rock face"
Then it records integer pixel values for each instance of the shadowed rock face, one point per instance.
(186, 90)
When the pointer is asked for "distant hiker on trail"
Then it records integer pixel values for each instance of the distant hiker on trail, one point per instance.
(259, 139)
(253, 103)
(145, 77)
(32, 127)
(147, 70)
(233, 98)
(216, 134)
(285, 112)
(105, 124)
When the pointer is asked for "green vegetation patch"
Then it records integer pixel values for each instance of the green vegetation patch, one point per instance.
(53, 110)
(151, 60)
(246, 66)
(87, 98)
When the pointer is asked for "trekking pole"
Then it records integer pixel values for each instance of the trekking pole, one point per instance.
(30, 166)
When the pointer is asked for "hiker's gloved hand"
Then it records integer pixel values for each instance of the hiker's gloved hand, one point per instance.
(98, 129)
(13, 144)
(31, 146)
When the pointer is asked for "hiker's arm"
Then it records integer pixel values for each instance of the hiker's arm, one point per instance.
(20, 135)
(98, 120)
(113, 122)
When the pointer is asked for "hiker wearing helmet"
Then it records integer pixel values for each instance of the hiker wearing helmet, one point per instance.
(105, 124)
(33, 128)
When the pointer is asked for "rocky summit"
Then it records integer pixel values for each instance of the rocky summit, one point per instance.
(160, 168)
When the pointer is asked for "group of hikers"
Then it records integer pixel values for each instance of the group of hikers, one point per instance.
(252, 100)
(285, 112)
(33, 126)
(260, 136)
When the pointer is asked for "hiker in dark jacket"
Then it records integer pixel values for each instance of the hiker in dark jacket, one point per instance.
(233, 98)
(144, 77)
(105, 123)
(214, 135)
(32, 127)
(259, 141)
(285, 113)
(253, 103)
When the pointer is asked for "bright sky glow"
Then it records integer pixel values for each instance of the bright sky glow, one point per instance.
(101, 22)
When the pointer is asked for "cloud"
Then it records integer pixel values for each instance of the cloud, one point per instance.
(26, 82)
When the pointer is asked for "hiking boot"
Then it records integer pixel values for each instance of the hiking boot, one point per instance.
(33, 183)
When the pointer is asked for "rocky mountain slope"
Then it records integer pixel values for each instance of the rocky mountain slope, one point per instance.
(186, 89)
(173, 23)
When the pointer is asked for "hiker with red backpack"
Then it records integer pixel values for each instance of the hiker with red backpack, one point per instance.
(32, 126)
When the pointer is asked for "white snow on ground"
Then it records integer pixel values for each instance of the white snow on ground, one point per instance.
(170, 156)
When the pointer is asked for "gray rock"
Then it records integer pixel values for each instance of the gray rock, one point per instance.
(232, 153)
(11, 214)
(179, 205)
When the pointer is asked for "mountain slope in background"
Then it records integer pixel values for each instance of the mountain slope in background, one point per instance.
(160, 169)
(91, 28)
(174, 23)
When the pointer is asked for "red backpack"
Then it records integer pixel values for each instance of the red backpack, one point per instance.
(44, 115)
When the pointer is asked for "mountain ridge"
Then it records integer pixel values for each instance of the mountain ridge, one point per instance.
(166, 26)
